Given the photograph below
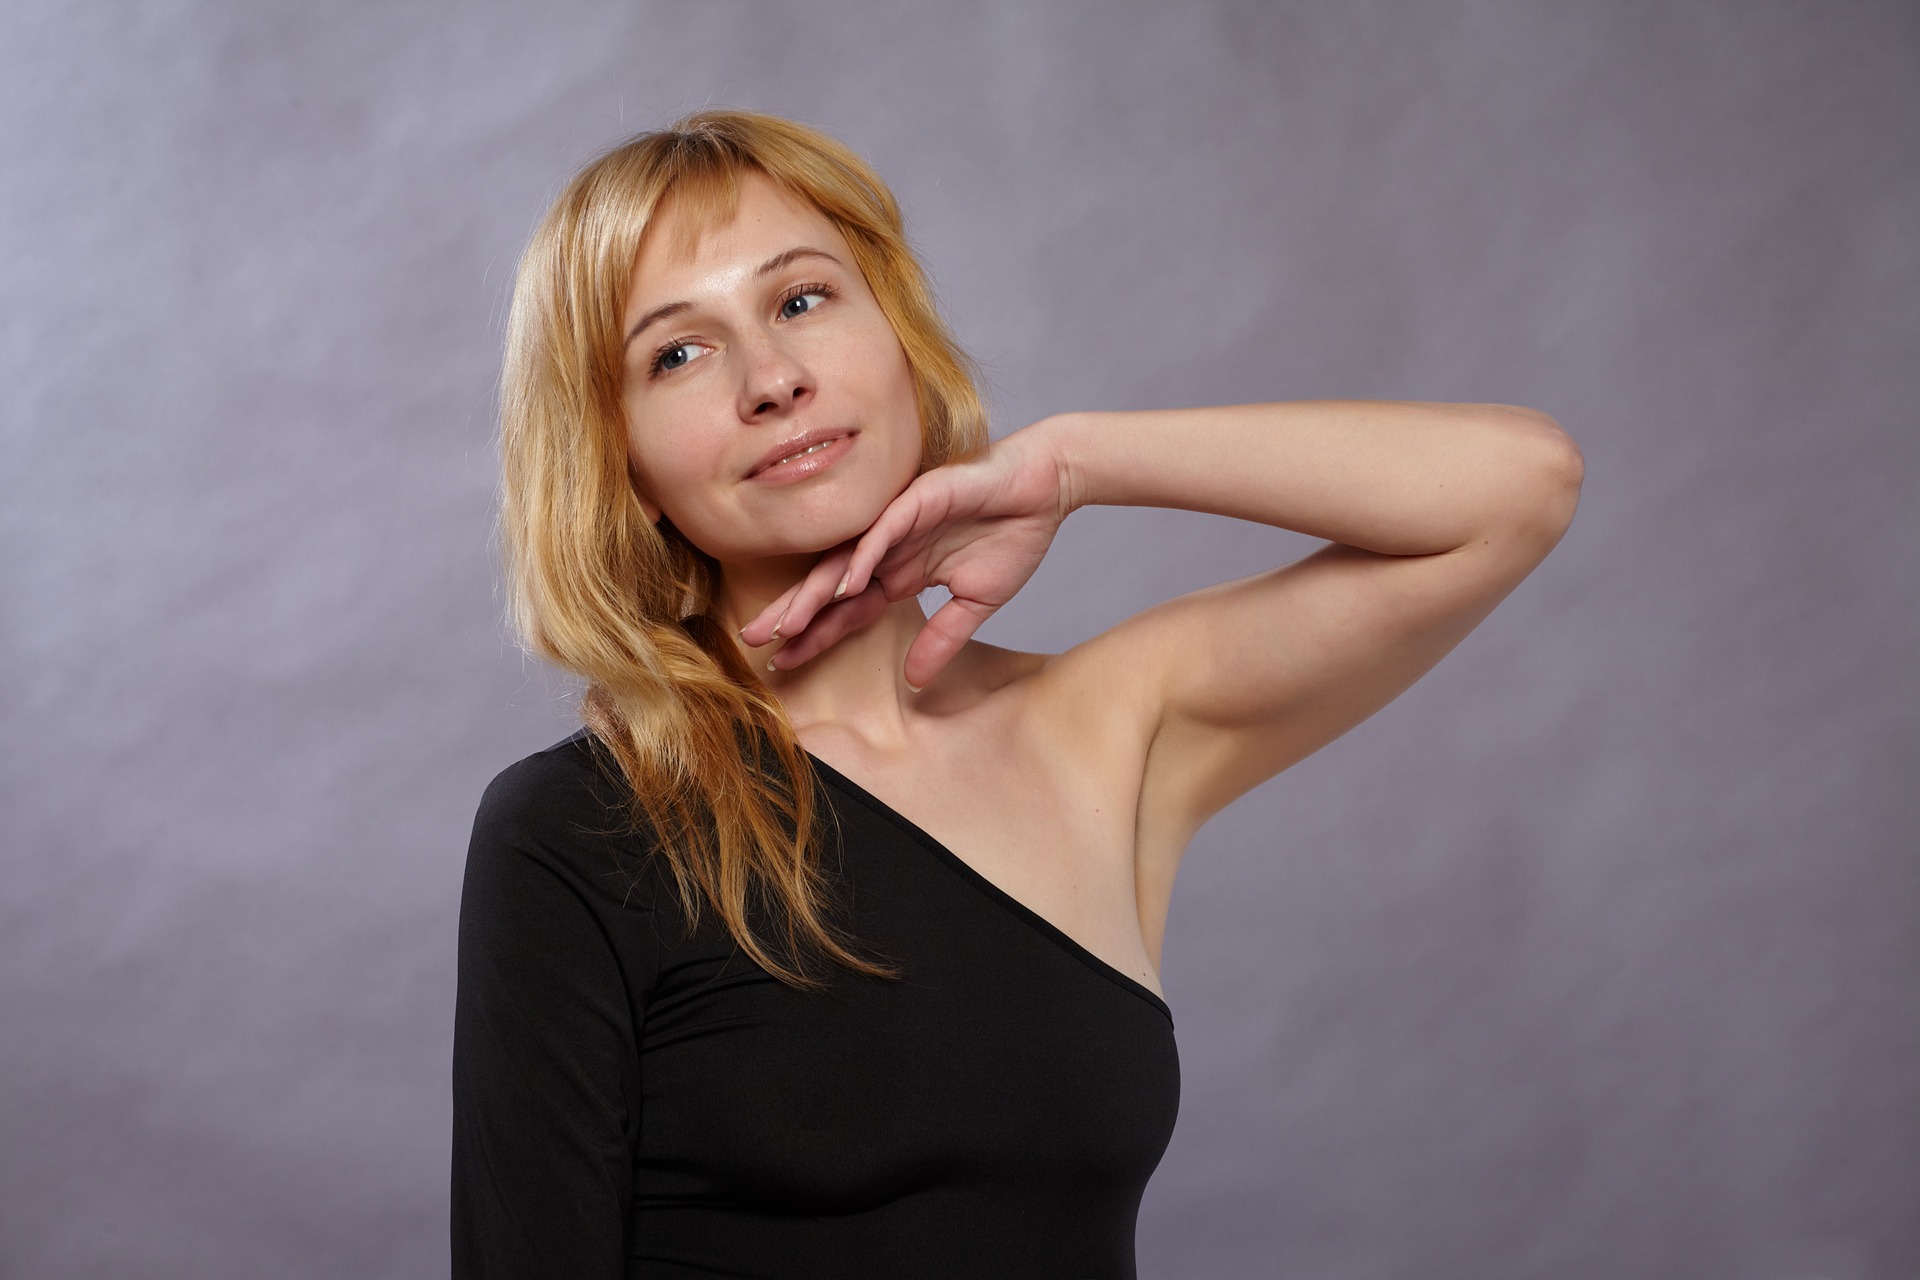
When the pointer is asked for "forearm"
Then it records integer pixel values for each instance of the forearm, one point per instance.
(1391, 476)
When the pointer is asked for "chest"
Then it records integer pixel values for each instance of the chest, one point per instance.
(1052, 830)
(998, 1063)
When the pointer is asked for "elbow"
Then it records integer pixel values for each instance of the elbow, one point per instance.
(1540, 430)
(1565, 469)
(1566, 466)
(1556, 470)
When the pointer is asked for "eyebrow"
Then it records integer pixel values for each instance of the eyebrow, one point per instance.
(766, 268)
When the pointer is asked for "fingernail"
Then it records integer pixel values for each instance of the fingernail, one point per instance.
(915, 687)
(776, 632)
(842, 588)
(769, 664)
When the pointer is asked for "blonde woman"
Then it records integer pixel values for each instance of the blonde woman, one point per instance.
(830, 945)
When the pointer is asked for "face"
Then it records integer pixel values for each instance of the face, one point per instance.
(758, 356)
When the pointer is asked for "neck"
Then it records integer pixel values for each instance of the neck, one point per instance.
(857, 684)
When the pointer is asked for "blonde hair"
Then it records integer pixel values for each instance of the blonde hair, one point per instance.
(602, 592)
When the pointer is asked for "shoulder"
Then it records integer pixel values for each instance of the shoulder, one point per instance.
(563, 810)
(1077, 715)
(568, 779)
(1093, 692)
(992, 668)
(1084, 695)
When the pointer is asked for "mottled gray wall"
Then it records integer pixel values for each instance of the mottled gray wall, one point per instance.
(1595, 955)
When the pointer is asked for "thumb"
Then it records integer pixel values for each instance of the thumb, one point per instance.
(945, 634)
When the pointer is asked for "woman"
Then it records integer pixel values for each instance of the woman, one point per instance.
(903, 1018)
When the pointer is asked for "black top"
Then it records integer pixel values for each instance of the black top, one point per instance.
(632, 1101)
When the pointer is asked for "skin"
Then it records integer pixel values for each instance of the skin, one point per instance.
(748, 371)
(1103, 761)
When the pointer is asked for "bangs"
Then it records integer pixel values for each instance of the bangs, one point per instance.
(702, 190)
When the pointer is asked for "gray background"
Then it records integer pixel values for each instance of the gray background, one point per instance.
(1597, 954)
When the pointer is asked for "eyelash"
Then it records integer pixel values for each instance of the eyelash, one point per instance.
(800, 290)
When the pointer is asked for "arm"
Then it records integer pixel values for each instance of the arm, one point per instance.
(545, 1076)
(1435, 512)
(1391, 476)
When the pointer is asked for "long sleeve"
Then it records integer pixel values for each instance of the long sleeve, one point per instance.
(635, 1096)
(546, 1089)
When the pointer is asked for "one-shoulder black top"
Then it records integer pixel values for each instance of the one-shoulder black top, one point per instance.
(633, 1099)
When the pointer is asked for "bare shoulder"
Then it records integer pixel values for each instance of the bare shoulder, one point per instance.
(1053, 689)
(995, 667)
(1085, 720)
(1094, 713)
(1102, 699)
(1079, 710)
(1226, 686)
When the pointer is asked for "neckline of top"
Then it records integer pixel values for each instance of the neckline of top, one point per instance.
(1020, 910)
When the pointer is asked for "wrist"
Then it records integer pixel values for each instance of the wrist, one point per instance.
(1066, 437)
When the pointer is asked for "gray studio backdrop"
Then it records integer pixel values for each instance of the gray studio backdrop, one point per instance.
(1597, 954)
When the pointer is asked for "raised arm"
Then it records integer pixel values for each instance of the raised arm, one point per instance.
(1435, 512)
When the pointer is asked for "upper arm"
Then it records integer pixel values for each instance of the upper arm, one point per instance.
(545, 1077)
(1237, 682)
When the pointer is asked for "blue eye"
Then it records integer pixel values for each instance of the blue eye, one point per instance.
(664, 361)
(803, 300)
(812, 291)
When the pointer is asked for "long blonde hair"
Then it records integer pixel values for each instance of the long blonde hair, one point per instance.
(602, 592)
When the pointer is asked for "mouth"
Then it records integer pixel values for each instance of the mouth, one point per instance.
(802, 453)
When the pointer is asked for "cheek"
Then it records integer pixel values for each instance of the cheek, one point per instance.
(908, 398)
(676, 462)
(896, 382)
(637, 462)
(651, 467)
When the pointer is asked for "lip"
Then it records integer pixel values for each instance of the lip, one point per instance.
(766, 472)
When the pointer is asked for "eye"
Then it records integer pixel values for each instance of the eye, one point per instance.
(821, 291)
(663, 359)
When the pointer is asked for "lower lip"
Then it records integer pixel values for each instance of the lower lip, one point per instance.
(800, 468)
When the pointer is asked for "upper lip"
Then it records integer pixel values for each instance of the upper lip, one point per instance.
(793, 444)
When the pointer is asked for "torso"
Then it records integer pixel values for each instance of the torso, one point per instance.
(1038, 788)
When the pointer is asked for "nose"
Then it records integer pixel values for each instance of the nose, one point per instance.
(775, 380)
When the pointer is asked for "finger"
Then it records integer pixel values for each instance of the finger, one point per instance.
(760, 630)
(834, 577)
(840, 619)
(813, 592)
(945, 634)
(781, 620)
(895, 525)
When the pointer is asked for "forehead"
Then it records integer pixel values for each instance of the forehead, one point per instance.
(684, 244)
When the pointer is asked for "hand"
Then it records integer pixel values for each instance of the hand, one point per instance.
(978, 528)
